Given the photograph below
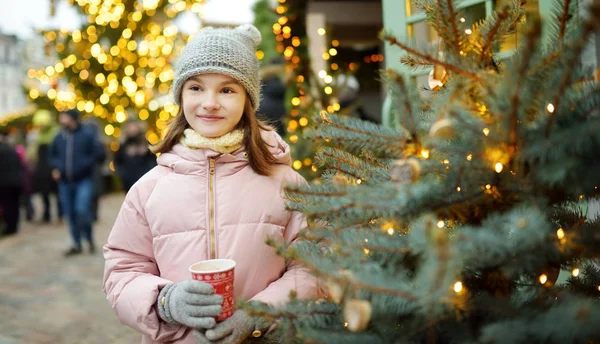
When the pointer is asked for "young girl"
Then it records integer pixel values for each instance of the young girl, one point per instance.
(216, 193)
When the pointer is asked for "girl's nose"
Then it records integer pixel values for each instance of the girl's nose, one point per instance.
(211, 103)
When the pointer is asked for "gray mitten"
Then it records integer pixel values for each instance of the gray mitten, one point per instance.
(190, 303)
(234, 330)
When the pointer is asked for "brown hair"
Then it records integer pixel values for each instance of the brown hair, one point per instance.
(259, 157)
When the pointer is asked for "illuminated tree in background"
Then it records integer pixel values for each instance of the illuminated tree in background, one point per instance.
(264, 16)
(119, 65)
(310, 93)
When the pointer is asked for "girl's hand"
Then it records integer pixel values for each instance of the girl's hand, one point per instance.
(231, 331)
(190, 303)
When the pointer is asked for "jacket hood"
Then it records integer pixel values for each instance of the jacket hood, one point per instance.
(184, 160)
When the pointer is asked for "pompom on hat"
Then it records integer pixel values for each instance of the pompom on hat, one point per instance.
(228, 51)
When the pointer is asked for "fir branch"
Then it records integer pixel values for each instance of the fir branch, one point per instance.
(579, 319)
(355, 135)
(563, 22)
(431, 15)
(407, 104)
(335, 277)
(374, 160)
(489, 38)
(578, 224)
(450, 67)
(547, 60)
(559, 29)
(588, 29)
(335, 210)
(334, 230)
(532, 38)
(338, 158)
(414, 62)
(300, 190)
(338, 124)
(370, 247)
(350, 225)
(456, 36)
(377, 248)
(283, 314)
(344, 171)
(467, 125)
(426, 326)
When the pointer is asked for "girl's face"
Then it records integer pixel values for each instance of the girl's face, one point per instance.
(213, 104)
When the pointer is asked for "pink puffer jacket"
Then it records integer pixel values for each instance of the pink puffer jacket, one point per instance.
(165, 225)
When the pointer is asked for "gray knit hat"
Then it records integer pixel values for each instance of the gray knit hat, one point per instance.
(231, 52)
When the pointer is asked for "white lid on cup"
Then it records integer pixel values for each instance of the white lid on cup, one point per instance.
(212, 266)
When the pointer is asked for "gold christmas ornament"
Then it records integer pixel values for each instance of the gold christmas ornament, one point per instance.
(335, 291)
(442, 129)
(347, 274)
(405, 171)
(357, 313)
(339, 179)
(437, 78)
(439, 236)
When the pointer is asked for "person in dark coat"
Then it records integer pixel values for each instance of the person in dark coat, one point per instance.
(11, 186)
(26, 192)
(73, 155)
(272, 104)
(43, 183)
(92, 126)
(133, 159)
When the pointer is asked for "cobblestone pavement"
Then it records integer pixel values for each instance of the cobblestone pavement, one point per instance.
(46, 298)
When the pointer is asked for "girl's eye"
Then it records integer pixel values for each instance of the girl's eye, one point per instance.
(195, 88)
(227, 90)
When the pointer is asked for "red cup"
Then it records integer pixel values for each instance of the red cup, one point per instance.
(218, 273)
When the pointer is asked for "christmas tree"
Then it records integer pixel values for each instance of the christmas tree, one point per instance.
(118, 66)
(289, 31)
(454, 226)
(264, 17)
(308, 91)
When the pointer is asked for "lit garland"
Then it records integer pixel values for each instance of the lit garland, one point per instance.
(290, 46)
(119, 65)
(312, 94)
(16, 114)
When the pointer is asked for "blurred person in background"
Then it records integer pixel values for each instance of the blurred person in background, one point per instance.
(349, 96)
(11, 186)
(91, 125)
(27, 182)
(39, 154)
(272, 104)
(134, 158)
(73, 156)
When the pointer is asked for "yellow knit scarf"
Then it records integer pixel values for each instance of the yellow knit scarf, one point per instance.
(225, 144)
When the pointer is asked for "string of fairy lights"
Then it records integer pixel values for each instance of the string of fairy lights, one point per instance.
(289, 46)
(320, 93)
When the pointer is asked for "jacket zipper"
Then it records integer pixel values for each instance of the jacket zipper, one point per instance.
(211, 208)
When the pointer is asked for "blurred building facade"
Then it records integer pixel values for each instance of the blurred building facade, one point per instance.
(355, 25)
(12, 75)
